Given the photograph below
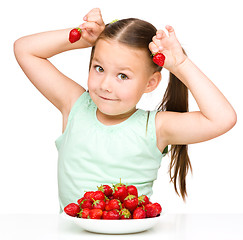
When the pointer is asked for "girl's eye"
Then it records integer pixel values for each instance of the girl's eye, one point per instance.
(122, 76)
(99, 69)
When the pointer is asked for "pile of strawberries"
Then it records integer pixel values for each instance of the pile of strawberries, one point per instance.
(119, 202)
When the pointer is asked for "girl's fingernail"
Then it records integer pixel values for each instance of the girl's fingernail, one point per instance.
(160, 48)
(85, 18)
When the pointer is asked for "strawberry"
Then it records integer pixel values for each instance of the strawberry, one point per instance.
(89, 195)
(106, 189)
(139, 213)
(120, 191)
(95, 214)
(72, 209)
(143, 200)
(113, 215)
(113, 204)
(80, 200)
(75, 35)
(99, 204)
(159, 59)
(84, 213)
(158, 206)
(86, 203)
(125, 214)
(131, 202)
(104, 215)
(151, 210)
(98, 195)
(111, 197)
(132, 190)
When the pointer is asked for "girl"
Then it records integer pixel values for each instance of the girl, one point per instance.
(105, 137)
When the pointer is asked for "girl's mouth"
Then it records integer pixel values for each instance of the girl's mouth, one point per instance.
(108, 99)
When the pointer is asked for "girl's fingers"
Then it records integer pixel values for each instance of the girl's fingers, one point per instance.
(94, 16)
(157, 42)
(160, 34)
(88, 25)
(153, 48)
(170, 30)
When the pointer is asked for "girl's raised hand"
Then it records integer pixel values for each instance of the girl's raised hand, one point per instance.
(169, 46)
(93, 26)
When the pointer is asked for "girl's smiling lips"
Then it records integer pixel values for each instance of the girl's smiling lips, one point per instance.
(108, 99)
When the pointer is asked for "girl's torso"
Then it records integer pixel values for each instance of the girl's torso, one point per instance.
(91, 153)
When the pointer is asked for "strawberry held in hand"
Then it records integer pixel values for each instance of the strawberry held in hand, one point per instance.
(159, 59)
(75, 35)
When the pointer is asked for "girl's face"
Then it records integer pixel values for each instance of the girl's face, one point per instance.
(118, 78)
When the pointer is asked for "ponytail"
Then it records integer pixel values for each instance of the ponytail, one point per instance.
(176, 99)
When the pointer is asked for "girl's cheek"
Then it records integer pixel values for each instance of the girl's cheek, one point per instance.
(91, 83)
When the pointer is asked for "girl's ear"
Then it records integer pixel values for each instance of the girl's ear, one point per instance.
(153, 82)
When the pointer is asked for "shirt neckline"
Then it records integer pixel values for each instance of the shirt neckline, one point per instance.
(115, 125)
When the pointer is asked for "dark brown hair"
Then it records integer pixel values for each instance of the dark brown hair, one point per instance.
(137, 33)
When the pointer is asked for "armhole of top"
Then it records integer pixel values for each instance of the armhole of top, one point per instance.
(73, 110)
(152, 131)
(76, 105)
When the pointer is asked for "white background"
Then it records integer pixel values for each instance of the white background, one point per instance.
(211, 33)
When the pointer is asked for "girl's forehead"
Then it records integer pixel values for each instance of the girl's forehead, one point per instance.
(115, 52)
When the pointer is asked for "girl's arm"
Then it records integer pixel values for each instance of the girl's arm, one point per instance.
(216, 115)
(32, 53)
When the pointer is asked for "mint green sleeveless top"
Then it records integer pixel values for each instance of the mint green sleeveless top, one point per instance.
(91, 153)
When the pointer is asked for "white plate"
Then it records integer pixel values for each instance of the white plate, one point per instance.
(114, 226)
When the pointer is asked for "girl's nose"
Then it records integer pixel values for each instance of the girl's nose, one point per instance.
(106, 84)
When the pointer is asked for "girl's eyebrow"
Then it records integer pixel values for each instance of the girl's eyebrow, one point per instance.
(122, 68)
(96, 59)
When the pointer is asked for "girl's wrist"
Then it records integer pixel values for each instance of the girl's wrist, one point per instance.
(178, 69)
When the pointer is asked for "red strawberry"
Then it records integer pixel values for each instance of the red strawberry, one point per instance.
(113, 204)
(89, 195)
(143, 200)
(84, 213)
(125, 214)
(98, 195)
(106, 189)
(158, 206)
(120, 191)
(72, 209)
(86, 203)
(132, 190)
(99, 204)
(80, 200)
(131, 202)
(111, 197)
(139, 213)
(113, 215)
(159, 59)
(151, 210)
(75, 35)
(104, 215)
(95, 213)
